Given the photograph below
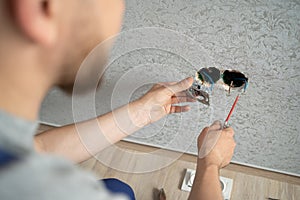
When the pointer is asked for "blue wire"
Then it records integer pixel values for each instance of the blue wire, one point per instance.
(210, 79)
(246, 82)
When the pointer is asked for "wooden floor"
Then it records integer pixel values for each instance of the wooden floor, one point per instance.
(248, 183)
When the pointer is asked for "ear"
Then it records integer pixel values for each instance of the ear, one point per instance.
(36, 19)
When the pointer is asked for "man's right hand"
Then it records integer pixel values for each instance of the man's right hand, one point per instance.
(223, 150)
(206, 184)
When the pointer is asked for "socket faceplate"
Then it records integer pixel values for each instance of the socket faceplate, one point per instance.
(226, 183)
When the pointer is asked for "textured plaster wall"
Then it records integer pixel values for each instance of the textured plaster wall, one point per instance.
(260, 38)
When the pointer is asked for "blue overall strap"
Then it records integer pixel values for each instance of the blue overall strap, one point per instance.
(116, 186)
(7, 157)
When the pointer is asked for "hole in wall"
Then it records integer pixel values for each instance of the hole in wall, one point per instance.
(206, 79)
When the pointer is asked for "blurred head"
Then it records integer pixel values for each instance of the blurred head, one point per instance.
(56, 35)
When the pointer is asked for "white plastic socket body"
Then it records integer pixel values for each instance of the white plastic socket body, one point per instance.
(226, 183)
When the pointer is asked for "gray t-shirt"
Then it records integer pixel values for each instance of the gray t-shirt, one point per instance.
(39, 176)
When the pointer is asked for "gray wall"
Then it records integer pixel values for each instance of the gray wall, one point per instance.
(260, 38)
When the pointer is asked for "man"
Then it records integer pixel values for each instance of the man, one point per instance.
(42, 44)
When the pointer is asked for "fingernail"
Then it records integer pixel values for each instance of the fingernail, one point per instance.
(217, 122)
(216, 125)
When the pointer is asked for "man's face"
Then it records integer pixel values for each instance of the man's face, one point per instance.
(87, 24)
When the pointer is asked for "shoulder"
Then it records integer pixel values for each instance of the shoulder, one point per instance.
(48, 177)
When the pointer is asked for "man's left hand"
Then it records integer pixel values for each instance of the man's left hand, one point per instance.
(162, 98)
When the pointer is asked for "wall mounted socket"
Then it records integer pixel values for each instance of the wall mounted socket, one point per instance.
(226, 183)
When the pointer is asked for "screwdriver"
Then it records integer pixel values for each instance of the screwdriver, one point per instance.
(226, 125)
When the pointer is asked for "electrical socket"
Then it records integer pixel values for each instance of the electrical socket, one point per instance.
(226, 183)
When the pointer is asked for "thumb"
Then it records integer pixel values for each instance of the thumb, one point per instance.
(180, 86)
(217, 125)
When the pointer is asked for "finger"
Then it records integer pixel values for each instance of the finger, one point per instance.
(183, 97)
(179, 109)
(217, 125)
(181, 94)
(168, 83)
(180, 86)
(163, 84)
(177, 99)
(205, 130)
(229, 131)
(157, 85)
(202, 136)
